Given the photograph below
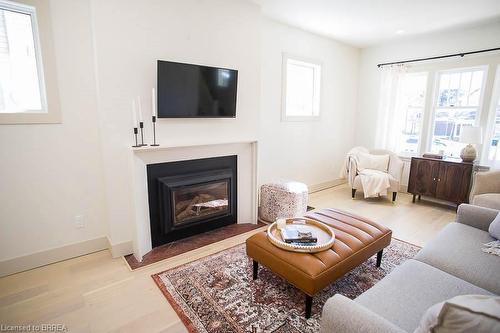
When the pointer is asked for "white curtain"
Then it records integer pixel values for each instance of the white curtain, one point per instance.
(389, 121)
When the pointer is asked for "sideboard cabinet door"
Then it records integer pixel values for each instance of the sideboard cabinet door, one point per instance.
(423, 176)
(453, 182)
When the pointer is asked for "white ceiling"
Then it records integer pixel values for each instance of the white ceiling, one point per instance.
(365, 23)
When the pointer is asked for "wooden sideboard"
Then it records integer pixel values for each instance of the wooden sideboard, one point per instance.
(448, 180)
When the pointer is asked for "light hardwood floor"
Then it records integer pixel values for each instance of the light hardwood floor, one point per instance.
(415, 223)
(95, 293)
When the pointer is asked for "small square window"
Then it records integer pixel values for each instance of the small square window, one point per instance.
(301, 89)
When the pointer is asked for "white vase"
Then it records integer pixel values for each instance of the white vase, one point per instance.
(468, 153)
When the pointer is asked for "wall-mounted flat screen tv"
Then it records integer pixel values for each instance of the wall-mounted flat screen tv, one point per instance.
(194, 91)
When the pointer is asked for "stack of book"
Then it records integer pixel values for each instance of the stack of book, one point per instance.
(292, 235)
(435, 156)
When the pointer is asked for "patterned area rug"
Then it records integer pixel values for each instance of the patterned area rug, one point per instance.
(217, 293)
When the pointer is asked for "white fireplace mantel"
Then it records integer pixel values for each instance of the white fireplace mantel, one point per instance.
(246, 152)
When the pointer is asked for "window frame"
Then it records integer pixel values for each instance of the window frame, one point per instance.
(435, 95)
(284, 116)
(489, 128)
(45, 64)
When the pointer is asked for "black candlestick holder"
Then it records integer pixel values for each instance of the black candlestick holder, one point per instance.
(154, 144)
(141, 127)
(135, 134)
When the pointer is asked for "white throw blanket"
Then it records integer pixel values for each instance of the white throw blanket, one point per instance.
(492, 247)
(375, 182)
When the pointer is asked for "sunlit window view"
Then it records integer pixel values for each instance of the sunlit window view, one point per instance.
(303, 81)
(410, 110)
(457, 105)
(20, 87)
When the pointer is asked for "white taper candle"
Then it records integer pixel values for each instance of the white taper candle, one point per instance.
(139, 107)
(153, 103)
(134, 114)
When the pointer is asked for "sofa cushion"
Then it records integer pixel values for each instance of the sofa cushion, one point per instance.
(494, 228)
(403, 296)
(457, 251)
(464, 313)
(488, 200)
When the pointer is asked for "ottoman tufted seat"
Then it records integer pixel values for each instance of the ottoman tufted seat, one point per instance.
(283, 199)
(356, 240)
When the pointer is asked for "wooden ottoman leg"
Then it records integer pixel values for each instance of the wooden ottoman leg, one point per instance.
(255, 269)
(353, 192)
(309, 302)
(379, 257)
(394, 194)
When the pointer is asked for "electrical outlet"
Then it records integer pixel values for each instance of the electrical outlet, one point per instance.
(79, 221)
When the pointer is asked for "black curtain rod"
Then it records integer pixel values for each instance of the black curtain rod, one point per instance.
(438, 57)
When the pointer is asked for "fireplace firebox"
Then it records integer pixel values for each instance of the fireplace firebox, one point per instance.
(191, 197)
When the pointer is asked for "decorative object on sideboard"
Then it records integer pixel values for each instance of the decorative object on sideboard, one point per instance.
(434, 156)
(153, 117)
(134, 124)
(470, 135)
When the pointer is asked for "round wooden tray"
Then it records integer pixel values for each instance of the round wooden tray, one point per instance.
(324, 233)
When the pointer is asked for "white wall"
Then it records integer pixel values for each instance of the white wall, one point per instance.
(456, 41)
(309, 151)
(106, 54)
(50, 173)
(129, 37)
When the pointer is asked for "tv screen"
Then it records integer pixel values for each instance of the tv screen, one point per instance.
(193, 91)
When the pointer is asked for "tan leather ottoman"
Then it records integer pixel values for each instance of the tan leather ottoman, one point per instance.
(356, 240)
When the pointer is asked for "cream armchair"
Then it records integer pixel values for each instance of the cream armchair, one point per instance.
(395, 170)
(485, 190)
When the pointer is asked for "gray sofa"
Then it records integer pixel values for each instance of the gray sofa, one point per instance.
(451, 264)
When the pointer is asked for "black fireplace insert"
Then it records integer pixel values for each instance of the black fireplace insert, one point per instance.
(191, 197)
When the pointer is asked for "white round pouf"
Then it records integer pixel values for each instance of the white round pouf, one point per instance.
(283, 200)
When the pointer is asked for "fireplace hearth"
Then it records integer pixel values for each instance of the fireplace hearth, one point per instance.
(191, 197)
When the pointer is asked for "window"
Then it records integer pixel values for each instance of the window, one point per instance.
(410, 104)
(301, 89)
(458, 97)
(22, 88)
(427, 111)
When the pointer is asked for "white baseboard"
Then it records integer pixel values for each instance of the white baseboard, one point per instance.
(120, 249)
(403, 188)
(325, 185)
(42, 258)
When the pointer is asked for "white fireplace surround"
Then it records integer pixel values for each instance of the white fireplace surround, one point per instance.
(246, 173)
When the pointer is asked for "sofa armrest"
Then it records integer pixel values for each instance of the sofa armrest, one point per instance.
(476, 216)
(340, 314)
